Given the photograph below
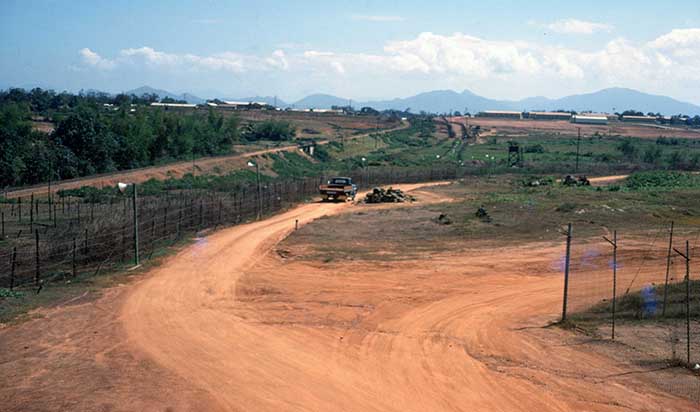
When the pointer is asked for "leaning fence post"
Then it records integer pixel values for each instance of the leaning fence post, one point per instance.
(37, 274)
(668, 270)
(566, 272)
(12, 267)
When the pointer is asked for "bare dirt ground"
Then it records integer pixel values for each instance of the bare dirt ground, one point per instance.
(240, 321)
(526, 126)
(327, 124)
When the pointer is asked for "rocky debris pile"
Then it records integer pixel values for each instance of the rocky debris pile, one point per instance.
(379, 195)
(537, 181)
(570, 180)
(482, 214)
(443, 219)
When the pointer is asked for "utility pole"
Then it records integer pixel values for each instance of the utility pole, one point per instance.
(566, 272)
(614, 293)
(578, 145)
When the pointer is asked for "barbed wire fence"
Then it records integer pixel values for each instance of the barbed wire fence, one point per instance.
(642, 293)
(46, 240)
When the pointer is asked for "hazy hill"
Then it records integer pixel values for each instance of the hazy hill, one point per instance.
(320, 101)
(189, 98)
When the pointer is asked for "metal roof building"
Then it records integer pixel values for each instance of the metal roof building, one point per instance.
(549, 115)
(639, 119)
(174, 105)
(503, 114)
(589, 119)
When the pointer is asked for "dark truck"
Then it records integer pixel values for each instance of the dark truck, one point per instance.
(338, 188)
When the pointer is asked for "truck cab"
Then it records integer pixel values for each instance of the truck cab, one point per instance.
(338, 189)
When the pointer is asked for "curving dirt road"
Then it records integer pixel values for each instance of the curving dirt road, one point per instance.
(203, 315)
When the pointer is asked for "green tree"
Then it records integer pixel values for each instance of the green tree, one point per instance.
(652, 155)
(676, 159)
(628, 148)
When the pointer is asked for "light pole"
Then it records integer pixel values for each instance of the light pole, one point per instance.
(365, 165)
(257, 176)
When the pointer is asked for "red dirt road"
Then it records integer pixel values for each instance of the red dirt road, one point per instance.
(459, 332)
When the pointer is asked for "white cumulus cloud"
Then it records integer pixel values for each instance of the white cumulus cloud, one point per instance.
(668, 62)
(574, 26)
(91, 58)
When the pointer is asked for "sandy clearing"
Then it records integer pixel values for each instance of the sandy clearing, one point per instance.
(604, 180)
(458, 348)
(513, 126)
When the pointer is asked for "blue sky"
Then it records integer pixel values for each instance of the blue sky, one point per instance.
(358, 50)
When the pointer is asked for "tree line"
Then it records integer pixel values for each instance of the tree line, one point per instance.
(91, 138)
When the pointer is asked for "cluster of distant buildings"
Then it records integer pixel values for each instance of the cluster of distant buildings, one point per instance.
(241, 105)
(587, 118)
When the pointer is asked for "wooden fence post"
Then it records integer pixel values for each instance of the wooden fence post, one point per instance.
(37, 274)
(179, 223)
(614, 291)
(12, 267)
(31, 213)
(566, 273)
(165, 219)
(73, 258)
(220, 207)
(200, 214)
(124, 241)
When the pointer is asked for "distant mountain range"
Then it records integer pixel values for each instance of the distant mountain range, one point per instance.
(443, 101)
(189, 98)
